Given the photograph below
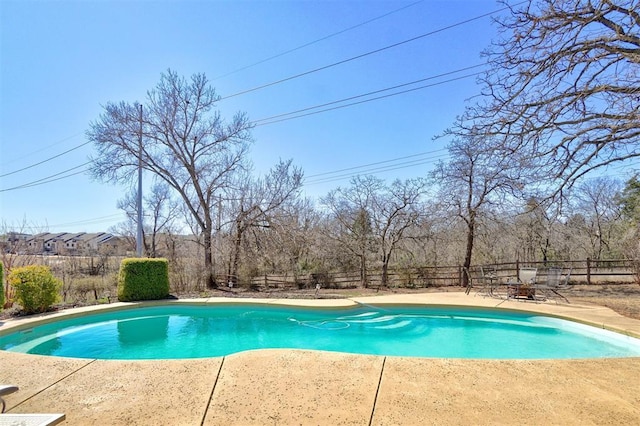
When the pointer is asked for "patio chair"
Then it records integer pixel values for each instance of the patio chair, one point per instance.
(25, 419)
(482, 279)
(31, 419)
(6, 390)
(554, 283)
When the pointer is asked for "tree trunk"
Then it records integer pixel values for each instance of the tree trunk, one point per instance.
(545, 250)
(145, 245)
(385, 269)
(385, 274)
(363, 270)
(210, 278)
(236, 251)
(153, 253)
(468, 252)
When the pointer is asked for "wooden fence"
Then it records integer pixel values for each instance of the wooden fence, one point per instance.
(621, 271)
(588, 271)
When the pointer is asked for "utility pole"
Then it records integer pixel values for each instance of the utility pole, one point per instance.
(139, 242)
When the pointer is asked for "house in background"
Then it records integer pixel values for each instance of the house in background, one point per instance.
(13, 242)
(82, 244)
(36, 244)
(100, 242)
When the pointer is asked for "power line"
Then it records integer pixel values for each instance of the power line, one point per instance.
(93, 221)
(420, 154)
(318, 40)
(383, 169)
(274, 119)
(367, 100)
(46, 160)
(271, 120)
(353, 58)
(49, 179)
(265, 122)
(257, 122)
(43, 149)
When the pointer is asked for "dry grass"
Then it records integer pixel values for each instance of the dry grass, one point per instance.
(622, 298)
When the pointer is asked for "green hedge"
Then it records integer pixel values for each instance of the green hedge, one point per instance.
(1, 286)
(143, 279)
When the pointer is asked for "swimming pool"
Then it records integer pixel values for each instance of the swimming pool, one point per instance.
(175, 331)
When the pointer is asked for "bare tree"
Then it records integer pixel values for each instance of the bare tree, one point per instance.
(187, 144)
(349, 211)
(290, 243)
(563, 86)
(254, 201)
(160, 215)
(371, 217)
(534, 227)
(476, 176)
(597, 199)
(394, 210)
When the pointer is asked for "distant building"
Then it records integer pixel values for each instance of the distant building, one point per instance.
(65, 243)
(12, 242)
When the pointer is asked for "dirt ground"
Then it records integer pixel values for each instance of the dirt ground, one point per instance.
(622, 298)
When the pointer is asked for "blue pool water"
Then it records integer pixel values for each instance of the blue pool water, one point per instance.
(195, 331)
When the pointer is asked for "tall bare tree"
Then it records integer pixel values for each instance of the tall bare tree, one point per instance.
(186, 143)
(476, 176)
(534, 227)
(372, 217)
(563, 86)
(255, 201)
(394, 210)
(349, 210)
(597, 199)
(286, 244)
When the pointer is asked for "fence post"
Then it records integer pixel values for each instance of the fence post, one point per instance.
(588, 271)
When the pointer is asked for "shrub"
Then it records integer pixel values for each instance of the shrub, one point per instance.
(143, 279)
(1, 286)
(36, 289)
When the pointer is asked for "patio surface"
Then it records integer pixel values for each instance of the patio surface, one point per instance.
(287, 387)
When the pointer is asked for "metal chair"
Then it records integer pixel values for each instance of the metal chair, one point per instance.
(554, 283)
(483, 280)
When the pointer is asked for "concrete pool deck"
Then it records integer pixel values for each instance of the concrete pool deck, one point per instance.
(286, 387)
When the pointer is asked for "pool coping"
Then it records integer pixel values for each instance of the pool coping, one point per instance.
(315, 387)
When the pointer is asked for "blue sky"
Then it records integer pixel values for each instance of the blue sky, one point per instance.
(62, 60)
